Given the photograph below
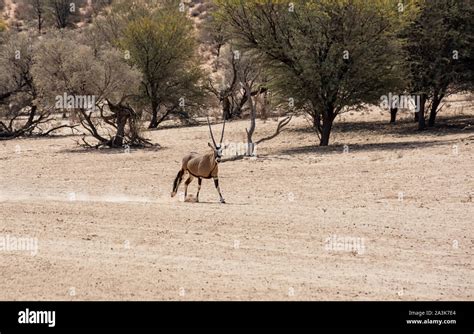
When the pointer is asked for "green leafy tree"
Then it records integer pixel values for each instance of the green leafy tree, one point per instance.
(161, 45)
(440, 46)
(326, 56)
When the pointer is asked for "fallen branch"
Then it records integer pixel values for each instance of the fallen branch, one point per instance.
(72, 127)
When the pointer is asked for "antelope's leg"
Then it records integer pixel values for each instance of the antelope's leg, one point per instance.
(188, 181)
(216, 183)
(199, 189)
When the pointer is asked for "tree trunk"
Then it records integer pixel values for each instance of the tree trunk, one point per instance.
(39, 24)
(162, 118)
(393, 115)
(154, 115)
(253, 115)
(40, 17)
(250, 143)
(240, 105)
(122, 118)
(226, 106)
(31, 116)
(434, 109)
(122, 115)
(322, 122)
(317, 122)
(326, 131)
(263, 113)
(421, 113)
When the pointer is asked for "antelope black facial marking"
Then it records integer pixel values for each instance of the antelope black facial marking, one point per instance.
(218, 153)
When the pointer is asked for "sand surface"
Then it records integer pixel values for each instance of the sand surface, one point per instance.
(400, 201)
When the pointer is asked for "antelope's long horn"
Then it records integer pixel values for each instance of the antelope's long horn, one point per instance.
(210, 130)
(223, 128)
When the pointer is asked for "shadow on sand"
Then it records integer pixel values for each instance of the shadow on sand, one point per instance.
(107, 150)
(338, 149)
(462, 124)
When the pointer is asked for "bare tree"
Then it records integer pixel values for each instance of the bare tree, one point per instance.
(65, 67)
(19, 112)
(229, 87)
(63, 12)
(37, 10)
(253, 112)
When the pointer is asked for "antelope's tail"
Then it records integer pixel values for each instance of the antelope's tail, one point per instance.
(176, 182)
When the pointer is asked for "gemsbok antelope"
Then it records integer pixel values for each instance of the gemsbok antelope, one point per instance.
(201, 166)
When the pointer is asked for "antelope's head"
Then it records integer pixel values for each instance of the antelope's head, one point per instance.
(216, 147)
